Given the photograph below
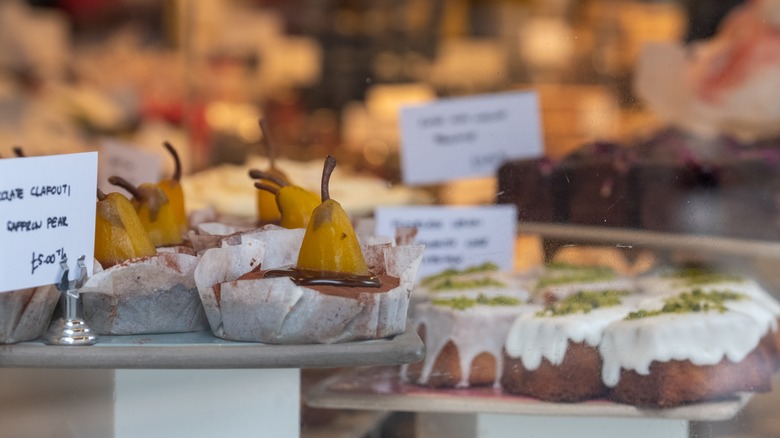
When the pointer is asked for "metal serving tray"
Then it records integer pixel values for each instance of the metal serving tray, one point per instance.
(204, 350)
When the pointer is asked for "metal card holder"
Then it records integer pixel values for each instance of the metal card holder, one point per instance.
(70, 329)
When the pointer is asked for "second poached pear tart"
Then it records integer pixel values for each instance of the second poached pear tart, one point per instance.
(154, 294)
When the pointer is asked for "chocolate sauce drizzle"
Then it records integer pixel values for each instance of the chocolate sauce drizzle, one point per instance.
(309, 278)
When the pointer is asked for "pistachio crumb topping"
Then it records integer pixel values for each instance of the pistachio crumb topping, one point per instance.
(463, 303)
(474, 283)
(584, 302)
(693, 301)
(699, 276)
(567, 274)
(448, 273)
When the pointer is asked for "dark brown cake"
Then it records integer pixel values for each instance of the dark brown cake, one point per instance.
(750, 196)
(595, 186)
(529, 185)
(673, 182)
(588, 187)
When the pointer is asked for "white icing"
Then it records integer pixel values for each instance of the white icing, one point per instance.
(701, 338)
(760, 304)
(476, 330)
(533, 338)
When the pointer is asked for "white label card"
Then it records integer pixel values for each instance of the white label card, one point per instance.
(131, 163)
(47, 211)
(456, 237)
(468, 137)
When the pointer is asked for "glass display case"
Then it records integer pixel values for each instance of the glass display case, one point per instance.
(629, 284)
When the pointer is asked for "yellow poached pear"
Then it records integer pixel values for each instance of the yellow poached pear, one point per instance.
(295, 203)
(267, 210)
(173, 191)
(330, 244)
(153, 210)
(119, 234)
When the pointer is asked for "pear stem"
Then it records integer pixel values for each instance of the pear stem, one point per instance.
(270, 146)
(327, 170)
(19, 152)
(259, 174)
(100, 195)
(176, 161)
(125, 184)
(267, 188)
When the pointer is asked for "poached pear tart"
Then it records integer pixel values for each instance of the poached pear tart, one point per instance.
(335, 290)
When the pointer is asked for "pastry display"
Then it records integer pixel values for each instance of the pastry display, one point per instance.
(265, 260)
(251, 292)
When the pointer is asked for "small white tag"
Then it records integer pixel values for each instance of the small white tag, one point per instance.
(47, 211)
(468, 137)
(456, 237)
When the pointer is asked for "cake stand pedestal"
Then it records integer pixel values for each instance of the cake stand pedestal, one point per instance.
(190, 385)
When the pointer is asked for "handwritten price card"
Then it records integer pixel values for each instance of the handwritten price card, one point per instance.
(47, 211)
(456, 237)
(468, 137)
(131, 163)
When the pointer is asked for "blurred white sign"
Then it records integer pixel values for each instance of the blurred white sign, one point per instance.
(456, 237)
(468, 137)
